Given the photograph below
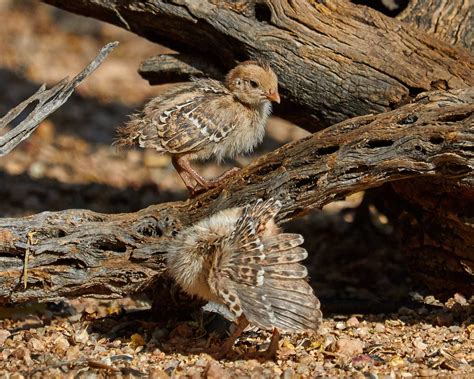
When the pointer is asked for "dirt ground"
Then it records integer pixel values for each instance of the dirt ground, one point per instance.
(377, 322)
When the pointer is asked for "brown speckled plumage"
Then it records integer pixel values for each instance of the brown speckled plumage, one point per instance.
(240, 258)
(206, 119)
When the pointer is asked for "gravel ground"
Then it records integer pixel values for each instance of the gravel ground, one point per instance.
(377, 322)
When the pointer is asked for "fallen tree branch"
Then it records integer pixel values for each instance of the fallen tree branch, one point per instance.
(335, 60)
(449, 21)
(174, 68)
(47, 101)
(81, 253)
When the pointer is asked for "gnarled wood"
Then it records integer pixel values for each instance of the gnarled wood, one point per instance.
(335, 60)
(79, 252)
(450, 21)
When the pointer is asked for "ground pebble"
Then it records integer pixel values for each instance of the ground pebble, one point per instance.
(363, 332)
(379, 328)
(4, 334)
(352, 322)
(214, 370)
(302, 369)
(349, 347)
(288, 374)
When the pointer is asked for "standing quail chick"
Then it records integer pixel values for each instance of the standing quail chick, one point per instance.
(206, 119)
(240, 258)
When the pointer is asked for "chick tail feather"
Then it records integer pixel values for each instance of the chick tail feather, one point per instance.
(279, 294)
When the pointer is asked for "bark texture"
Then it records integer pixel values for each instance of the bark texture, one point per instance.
(450, 21)
(335, 60)
(73, 253)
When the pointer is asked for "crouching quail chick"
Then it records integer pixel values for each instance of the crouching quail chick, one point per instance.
(206, 119)
(239, 258)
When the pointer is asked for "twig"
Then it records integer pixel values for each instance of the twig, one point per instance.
(48, 101)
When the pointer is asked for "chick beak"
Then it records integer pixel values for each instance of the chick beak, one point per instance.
(274, 96)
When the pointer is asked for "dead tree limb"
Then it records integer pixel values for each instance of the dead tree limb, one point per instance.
(81, 253)
(450, 21)
(335, 60)
(46, 102)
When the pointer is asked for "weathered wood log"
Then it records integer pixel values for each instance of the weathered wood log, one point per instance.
(335, 60)
(175, 68)
(450, 21)
(72, 253)
(46, 102)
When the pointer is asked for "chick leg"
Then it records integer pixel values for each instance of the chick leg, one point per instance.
(226, 347)
(270, 353)
(188, 174)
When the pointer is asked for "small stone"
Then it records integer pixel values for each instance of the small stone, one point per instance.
(349, 347)
(329, 340)
(431, 300)
(340, 325)
(201, 362)
(363, 331)
(419, 354)
(37, 170)
(4, 334)
(419, 344)
(352, 322)
(424, 372)
(82, 336)
(302, 369)
(61, 343)
(455, 328)
(322, 331)
(171, 365)
(306, 359)
(73, 353)
(397, 361)
(35, 344)
(379, 328)
(460, 299)
(288, 374)
(21, 353)
(215, 371)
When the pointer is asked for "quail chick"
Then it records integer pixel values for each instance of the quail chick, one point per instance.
(239, 258)
(206, 119)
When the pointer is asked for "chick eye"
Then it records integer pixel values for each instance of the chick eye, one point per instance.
(253, 84)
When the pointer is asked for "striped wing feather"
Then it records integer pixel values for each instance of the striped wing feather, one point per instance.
(181, 120)
(265, 274)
